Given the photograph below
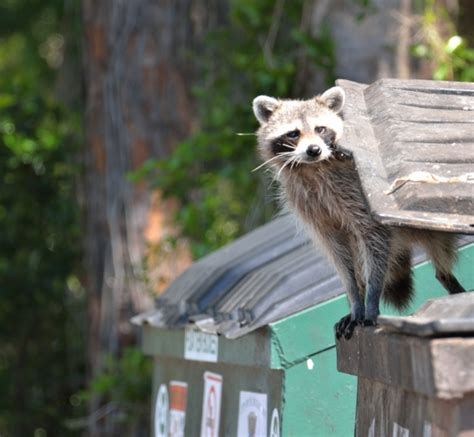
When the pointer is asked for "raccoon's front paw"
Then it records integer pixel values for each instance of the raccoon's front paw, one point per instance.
(368, 322)
(345, 327)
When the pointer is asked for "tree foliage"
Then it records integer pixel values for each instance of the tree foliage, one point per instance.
(41, 322)
(125, 383)
(441, 44)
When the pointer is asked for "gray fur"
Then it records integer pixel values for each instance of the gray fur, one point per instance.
(334, 99)
(263, 107)
(325, 192)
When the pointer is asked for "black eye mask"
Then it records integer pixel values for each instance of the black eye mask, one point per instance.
(282, 145)
(329, 137)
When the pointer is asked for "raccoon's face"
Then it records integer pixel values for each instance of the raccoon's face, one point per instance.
(294, 132)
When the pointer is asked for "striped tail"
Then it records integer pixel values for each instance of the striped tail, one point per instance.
(398, 287)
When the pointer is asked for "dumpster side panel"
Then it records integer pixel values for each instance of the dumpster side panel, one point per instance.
(306, 333)
(319, 401)
(235, 378)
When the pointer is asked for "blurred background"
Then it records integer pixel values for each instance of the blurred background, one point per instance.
(120, 164)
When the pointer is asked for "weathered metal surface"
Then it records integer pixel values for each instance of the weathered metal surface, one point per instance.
(440, 367)
(262, 277)
(209, 280)
(413, 145)
(443, 316)
(389, 411)
(410, 385)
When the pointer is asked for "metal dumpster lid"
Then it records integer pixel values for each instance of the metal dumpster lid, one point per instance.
(437, 317)
(413, 145)
(264, 276)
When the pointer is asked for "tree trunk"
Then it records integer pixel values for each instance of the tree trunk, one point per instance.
(466, 17)
(138, 76)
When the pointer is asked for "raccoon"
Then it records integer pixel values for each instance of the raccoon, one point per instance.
(298, 140)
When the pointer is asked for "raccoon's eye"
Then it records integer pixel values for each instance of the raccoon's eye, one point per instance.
(293, 135)
(320, 129)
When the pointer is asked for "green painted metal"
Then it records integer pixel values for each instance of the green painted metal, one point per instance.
(319, 401)
(305, 333)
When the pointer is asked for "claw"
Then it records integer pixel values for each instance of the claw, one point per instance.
(367, 322)
(340, 327)
(350, 329)
(345, 327)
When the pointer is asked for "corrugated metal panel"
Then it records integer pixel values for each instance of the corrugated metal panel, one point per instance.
(413, 144)
(200, 288)
(262, 277)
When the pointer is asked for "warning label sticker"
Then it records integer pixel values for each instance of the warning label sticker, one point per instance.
(161, 412)
(252, 414)
(177, 415)
(211, 408)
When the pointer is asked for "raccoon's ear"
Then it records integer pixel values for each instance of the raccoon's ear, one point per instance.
(334, 98)
(264, 107)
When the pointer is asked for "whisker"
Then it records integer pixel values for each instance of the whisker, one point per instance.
(245, 133)
(295, 161)
(285, 165)
(279, 155)
(266, 162)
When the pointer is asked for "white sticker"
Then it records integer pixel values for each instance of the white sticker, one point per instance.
(400, 431)
(252, 414)
(200, 346)
(275, 424)
(178, 400)
(211, 407)
(161, 412)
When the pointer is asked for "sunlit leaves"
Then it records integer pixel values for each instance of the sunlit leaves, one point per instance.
(448, 52)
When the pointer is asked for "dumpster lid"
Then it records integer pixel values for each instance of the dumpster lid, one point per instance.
(413, 145)
(262, 277)
(437, 317)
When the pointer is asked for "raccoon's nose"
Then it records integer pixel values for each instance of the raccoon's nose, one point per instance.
(313, 151)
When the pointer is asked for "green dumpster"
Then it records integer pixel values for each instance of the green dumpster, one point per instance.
(243, 340)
